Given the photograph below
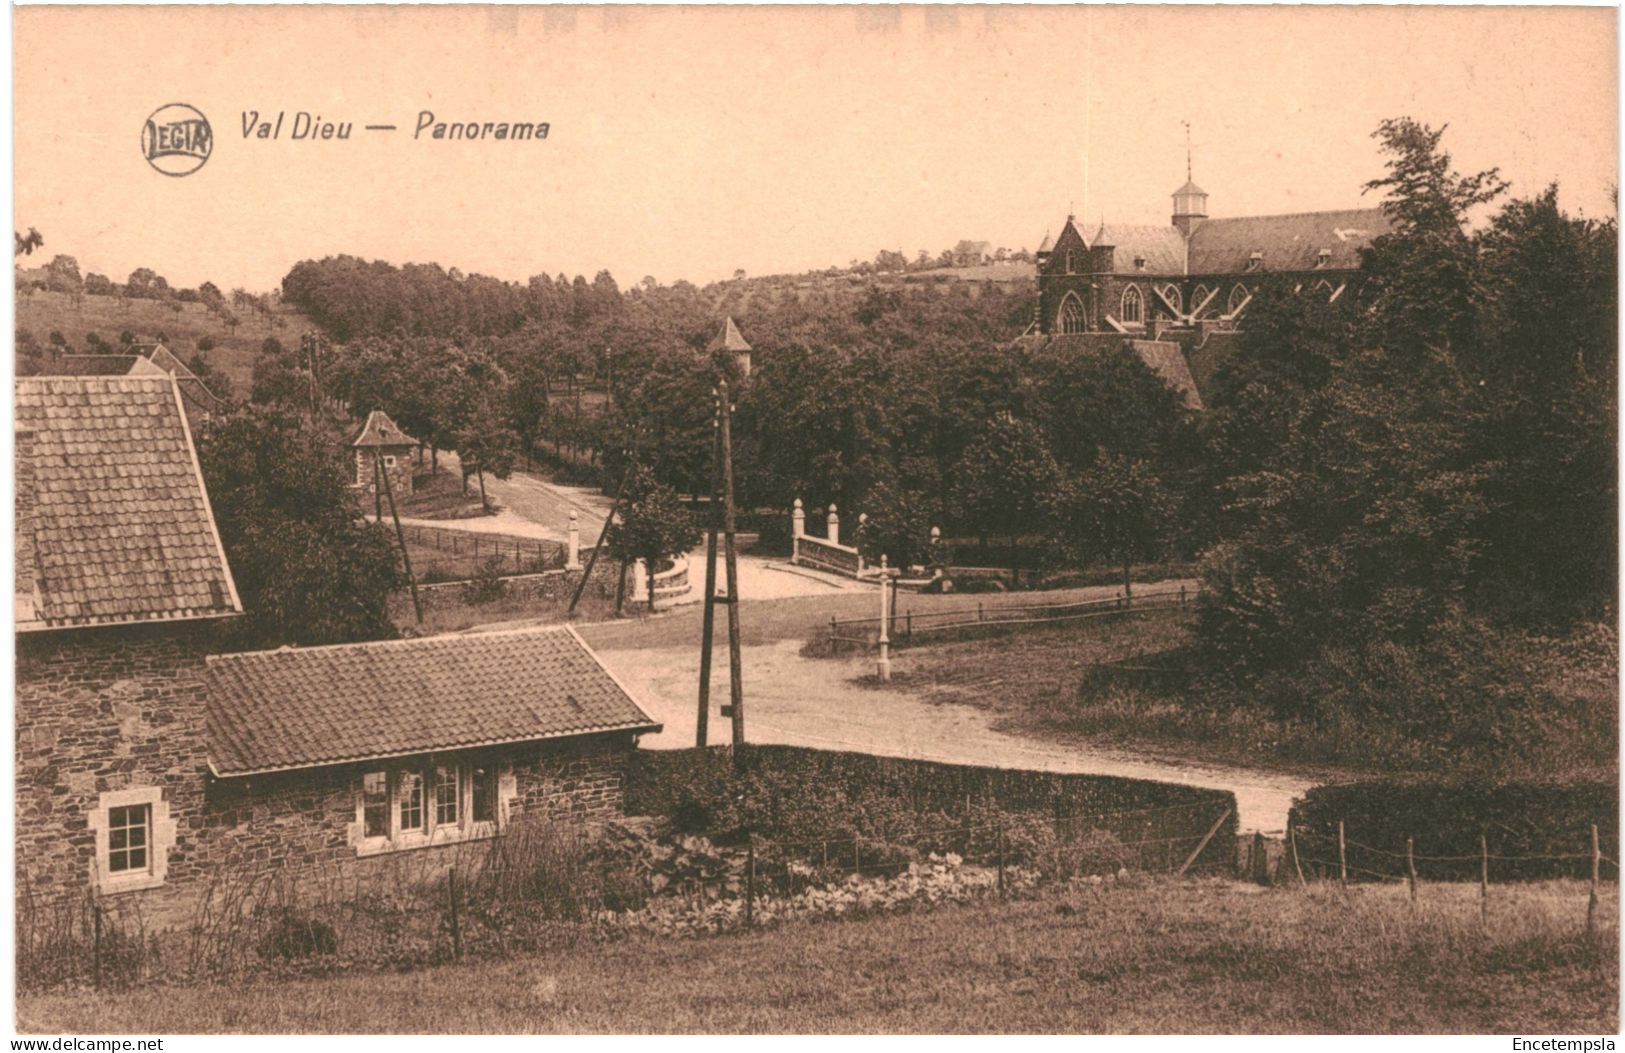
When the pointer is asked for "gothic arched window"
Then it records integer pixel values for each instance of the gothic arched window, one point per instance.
(1133, 306)
(1071, 318)
(1170, 293)
(1198, 297)
(1238, 296)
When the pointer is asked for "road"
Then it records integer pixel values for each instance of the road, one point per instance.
(824, 703)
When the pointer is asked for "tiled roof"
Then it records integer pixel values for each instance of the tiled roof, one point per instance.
(727, 339)
(112, 512)
(308, 707)
(379, 430)
(1288, 243)
(1162, 248)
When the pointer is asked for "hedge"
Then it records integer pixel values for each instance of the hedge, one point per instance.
(794, 793)
(1532, 829)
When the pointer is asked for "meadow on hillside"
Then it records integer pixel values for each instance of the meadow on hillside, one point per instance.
(179, 326)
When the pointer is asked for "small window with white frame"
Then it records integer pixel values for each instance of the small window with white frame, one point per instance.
(411, 804)
(389, 460)
(133, 836)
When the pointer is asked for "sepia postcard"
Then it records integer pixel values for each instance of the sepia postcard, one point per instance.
(887, 520)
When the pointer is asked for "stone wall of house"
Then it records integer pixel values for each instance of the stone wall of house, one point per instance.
(103, 710)
(122, 709)
(400, 473)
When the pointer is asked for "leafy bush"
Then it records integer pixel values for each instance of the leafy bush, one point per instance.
(1547, 820)
(486, 586)
(811, 796)
(292, 937)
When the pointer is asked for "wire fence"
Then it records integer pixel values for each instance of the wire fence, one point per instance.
(1312, 857)
(904, 625)
(442, 554)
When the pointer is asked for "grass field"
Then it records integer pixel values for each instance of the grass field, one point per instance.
(1166, 956)
(1033, 677)
(42, 312)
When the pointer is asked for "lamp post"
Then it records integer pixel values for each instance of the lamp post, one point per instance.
(883, 667)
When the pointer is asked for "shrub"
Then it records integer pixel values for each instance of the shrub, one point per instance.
(486, 586)
(1518, 820)
(293, 937)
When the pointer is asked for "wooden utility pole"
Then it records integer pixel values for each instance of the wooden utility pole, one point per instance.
(400, 534)
(736, 691)
(592, 560)
(702, 722)
(1596, 867)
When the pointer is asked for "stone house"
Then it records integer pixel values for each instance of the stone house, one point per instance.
(147, 767)
(381, 444)
(201, 404)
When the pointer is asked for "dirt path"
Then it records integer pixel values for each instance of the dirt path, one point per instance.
(821, 703)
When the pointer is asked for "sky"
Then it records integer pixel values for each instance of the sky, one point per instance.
(687, 142)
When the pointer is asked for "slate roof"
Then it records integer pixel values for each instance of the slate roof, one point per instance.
(113, 521)
(728, 338)
(1167, 359)
(1289, 242)
(1163, 248)
(316, 706)
(379, 430)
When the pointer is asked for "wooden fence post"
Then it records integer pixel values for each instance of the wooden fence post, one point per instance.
(750, 881)
(1410, 865)
(1596, 862)
(1001, 854)
(456, 932)
(1483, 878)
(96, 943)
(1342, 858)
(1297, 864)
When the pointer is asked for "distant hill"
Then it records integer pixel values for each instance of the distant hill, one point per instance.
(40, 312)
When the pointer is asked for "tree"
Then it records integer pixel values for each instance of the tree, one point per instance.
(486, 444)
(25, 244)
(99, 285)
(62, 275)
(307, 570)
(653, 526)
(1115, 512)
(1003, 482)
(146, 284)
(897, 523)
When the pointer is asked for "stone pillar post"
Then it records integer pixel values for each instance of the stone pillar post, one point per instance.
(640, 581)
(798, 520)
(573, 548)
(883, 666)
(834, 524)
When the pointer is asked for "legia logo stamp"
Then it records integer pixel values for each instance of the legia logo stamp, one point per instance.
(177, 139)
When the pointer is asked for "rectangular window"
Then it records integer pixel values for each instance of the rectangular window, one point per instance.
(128, 836)
(375, 804)
(389, 462)
(411, 802)
(485, 793)
(446, 795)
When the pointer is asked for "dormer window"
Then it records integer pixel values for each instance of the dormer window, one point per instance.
(1255, 261)
(1323, 257)
(1139, 263)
